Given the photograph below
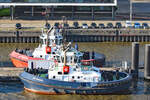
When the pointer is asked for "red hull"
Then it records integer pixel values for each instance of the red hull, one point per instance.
(19, 63)
(45, 93)
(21, 60)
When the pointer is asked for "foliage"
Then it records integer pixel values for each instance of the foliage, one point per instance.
(5, 12)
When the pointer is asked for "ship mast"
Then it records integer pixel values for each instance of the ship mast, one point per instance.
(47, 41)
(65, 55)
(49, 29)
(67, 48)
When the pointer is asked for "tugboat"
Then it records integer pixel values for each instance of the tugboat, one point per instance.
(71, 76)
(51, 42)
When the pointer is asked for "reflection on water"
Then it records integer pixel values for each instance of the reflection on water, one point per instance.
(9, 87)
(14, 91)
(113, 52)
(76, 97)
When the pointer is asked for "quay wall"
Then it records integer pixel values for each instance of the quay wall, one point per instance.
(81, 35)
(10, 74)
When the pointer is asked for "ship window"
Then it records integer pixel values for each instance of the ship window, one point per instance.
(44, 41)
(59, 73)
(41, 56)
(83, 84)
(41, 41)
(58, 59)
(60, 41)
(70, 59)
(78, 77)
(79, 59)
(56, 41)
(73, 77)
(62, 59)
(95, 70)
(75, 59)
(65, 72)
(53, 77)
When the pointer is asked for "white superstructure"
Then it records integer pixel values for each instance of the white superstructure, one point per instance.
(70, 68)
(52, 39)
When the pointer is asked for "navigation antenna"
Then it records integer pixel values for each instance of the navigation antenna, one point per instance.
(47, 41)
(66, 49)
(46, 14)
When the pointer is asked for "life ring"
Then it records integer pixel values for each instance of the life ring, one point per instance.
(66, 69)
(48, 50)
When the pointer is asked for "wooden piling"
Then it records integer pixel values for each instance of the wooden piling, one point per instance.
(135, 59)
(147, 62)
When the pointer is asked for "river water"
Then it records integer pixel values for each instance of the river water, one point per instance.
(113, 51)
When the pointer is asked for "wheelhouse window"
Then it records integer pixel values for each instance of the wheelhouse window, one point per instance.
(54, 77)
(79, 59)
(59, 73)
(58, 58)
(44, 41)
(56, 42)
(68, 59)
(41, 41)
(62, 59)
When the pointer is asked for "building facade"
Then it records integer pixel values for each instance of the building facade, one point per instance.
(55, 9)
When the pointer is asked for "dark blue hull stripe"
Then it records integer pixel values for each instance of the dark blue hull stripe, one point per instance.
(51, 89)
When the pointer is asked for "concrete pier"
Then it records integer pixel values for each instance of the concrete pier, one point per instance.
(10, 74)
(147, 62)
(80, 35)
